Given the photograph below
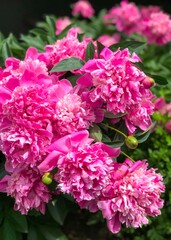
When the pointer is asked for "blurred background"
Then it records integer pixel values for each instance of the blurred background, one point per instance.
(18, 16)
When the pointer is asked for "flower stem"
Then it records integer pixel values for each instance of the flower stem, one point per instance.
(128, 156)
(116, 130)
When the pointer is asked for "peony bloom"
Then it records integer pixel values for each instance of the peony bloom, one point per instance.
(64, 48)
(72, 117)
(82, 168)
(24, 146)
(29, 106)
(132, 194)
(126, 17)
(119, 84)
(108, 40)
(28, 190)
(61, 24)
(84, 8)
(157, 28)
(27, 72)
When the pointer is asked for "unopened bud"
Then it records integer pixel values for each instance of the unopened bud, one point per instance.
(148, 82)
(131, 142)
(47, 178)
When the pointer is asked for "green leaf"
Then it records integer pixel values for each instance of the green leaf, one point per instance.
(8, 232)
(51, 28)
(159, 80)
(2, 169)
(65, 31)
(122, 128)
(80, 36)
(142, 136)
(52, 233)
(131, 45)
(73, 79)
(96, 133)
(34, 234)
(140, 66)
(105, 138)
(100, 47)
(38, 31)
(5, 50)
(58, 210)
(18, 221)
(115, 144)
(68, 64)
(36, 42)
(90, 50)
(1, 37)
(111, 115)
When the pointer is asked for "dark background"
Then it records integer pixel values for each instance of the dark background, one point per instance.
(18, 16)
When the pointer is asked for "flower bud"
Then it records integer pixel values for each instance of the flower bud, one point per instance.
(148, 82)
(47, 178)
(131, 142)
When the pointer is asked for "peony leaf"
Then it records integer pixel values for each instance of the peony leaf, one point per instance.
(142, 136)
(90, 51)
(111, 115)
(18, 221)
(65, 31)
(133, 46)
(58, 210)
(68, 64)
(96, 133)
(159, 80)
(100, 47)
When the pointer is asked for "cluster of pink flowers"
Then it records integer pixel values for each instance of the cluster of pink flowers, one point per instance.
(44, 123)
(150, 22)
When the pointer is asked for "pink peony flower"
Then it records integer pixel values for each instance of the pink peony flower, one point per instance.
(126, 17)
(28, 190)
(83, 173)
(84, 8)
(23, 146)
(108, 40)
(64, 48)
(73, 117)
(119, 83)
(139, 114)
(157, 28)
(159, 103)
(23, 73)
(68, 143)
(62, 23)
(82, 168)
(30, 106)
(132, 194)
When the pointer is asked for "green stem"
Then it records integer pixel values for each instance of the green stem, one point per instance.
(128, 156)
(116, 130)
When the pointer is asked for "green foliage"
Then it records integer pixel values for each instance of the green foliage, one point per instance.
(68, 64)
(90, 51)
(133, 46)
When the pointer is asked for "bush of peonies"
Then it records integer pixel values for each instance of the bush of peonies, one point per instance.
(70, 112)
